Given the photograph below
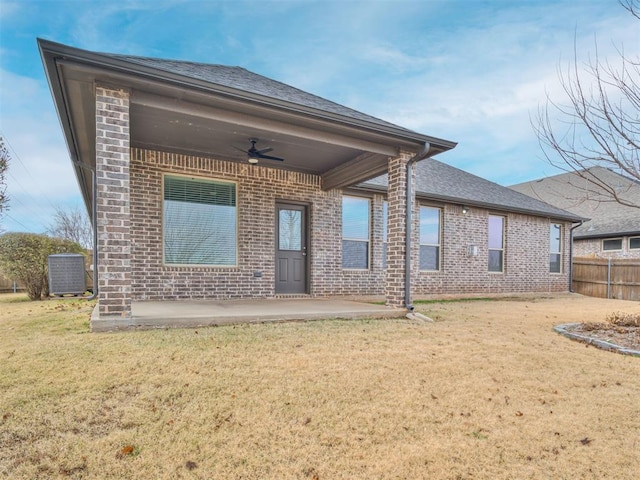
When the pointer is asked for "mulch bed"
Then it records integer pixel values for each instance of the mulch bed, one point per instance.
(627, 339)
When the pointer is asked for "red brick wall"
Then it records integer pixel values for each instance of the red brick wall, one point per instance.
(260, 187)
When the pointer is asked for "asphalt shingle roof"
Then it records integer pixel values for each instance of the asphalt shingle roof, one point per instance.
(585, 198)
(438, 181)
(244, 80)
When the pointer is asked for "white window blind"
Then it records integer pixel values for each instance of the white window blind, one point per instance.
(355, 232)
(200, 221)
(555, 248)
(429, 238)
(385, 232)
(496, 244)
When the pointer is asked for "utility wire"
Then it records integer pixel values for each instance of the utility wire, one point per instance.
(42, 220)
(15, 155)
(35, 213)
(30, 230)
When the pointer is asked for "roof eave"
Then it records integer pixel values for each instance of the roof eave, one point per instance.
(99, 61)
(476, 203)
(588, 236)
(60, 104)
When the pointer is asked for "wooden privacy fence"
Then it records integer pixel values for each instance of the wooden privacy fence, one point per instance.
(607, 277)
(7, 285)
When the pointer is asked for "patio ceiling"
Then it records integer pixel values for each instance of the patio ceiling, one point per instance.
(187, 115)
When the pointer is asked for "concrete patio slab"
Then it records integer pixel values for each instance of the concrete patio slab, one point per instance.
(199, 313)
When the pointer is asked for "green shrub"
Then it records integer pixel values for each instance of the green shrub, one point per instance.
(23, 256)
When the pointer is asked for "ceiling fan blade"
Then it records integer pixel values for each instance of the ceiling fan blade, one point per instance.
(268, 157)
(262, 151)
(239, 149)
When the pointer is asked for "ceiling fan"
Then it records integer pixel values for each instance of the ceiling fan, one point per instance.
(254, 155)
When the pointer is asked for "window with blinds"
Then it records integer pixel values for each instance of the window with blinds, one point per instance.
(355, 232)
(496, 243)
(199, 221)
(555, 248)
(385, 232)
(429, 238)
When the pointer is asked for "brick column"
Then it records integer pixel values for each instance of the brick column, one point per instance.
(397, 198)
(113, 218)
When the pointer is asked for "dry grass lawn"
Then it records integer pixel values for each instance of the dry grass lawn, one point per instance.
(489, 391)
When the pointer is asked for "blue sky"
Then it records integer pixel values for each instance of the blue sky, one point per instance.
(468, 71)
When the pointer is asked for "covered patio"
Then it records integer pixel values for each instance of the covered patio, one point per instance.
(205, 313)
(266, 161)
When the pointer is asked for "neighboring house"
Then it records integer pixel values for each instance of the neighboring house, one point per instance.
(183, 212)
(613, 229)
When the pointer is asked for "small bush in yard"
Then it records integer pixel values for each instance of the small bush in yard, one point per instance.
(621, 319)
(23, 256)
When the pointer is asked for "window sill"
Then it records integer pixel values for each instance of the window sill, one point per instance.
(180, 267)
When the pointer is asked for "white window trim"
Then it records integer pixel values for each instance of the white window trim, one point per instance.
(342, 238)
(237, 233)
(503, 249)
(557, 253)
(439, 244)
(612, 249)
(385, 233)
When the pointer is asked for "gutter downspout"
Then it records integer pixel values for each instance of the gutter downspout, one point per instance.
(424, 153)
(571, 255)
(94, 225)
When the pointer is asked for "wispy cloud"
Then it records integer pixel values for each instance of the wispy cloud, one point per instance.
(471, 72)
(40, 174)
(8, 9)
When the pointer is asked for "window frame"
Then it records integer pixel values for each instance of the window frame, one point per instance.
(635, 237)
(502, 250)
(197, 178)
(369, 233)
(610, 240)
(438, 245)
(559, 252)
(385, 232)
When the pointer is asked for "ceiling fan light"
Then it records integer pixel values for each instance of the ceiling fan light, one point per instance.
(253, 160)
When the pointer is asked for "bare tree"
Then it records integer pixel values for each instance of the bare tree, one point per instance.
(599, 125)
(632, 6)
(4, 167)
(73, 225)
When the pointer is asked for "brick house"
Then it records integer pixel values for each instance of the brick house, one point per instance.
(611, 229)
(185, 209)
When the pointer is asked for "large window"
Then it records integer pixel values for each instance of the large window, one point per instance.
(199, 221)
(355, 232)
(496, 243)
(429, 238)
(555, 248)
(612, 244)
